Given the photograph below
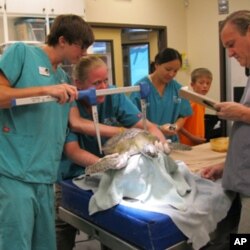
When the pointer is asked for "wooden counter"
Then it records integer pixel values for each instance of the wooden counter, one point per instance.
(199, 157)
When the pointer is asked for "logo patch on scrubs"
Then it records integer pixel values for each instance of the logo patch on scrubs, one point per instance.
(6, 129)
(43, 71)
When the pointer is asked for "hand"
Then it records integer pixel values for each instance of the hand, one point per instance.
(168, 129)
(232, 111)
(63, 92)
(212, 172)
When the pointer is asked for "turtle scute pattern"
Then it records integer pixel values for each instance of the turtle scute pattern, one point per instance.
(121, 147)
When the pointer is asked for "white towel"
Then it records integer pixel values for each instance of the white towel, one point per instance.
(161, 185)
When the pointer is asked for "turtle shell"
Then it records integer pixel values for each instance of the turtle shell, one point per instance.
(131, 140)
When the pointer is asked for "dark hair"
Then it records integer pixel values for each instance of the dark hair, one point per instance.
(73, 28)
(151, 67)
(241, 19)
(167, 55)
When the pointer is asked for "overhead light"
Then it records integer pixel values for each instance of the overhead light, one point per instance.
(223, 7)
(131, 30)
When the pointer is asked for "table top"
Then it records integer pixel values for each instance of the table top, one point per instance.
(199, 157)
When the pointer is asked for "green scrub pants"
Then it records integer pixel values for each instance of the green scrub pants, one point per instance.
(26, 215)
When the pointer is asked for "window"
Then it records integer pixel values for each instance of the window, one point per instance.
(103, 49)
(135, 62)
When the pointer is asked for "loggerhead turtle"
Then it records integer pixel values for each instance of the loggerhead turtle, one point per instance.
(121, 147)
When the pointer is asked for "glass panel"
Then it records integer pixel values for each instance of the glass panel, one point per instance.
(135, 62)
(101, 47)
(139, 62)
(104, 50)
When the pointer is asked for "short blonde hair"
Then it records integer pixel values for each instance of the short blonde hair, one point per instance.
(199, 72)
(86, 63)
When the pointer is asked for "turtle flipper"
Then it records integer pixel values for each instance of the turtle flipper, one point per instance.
(150, 150)
(164, 147)
(113, 161)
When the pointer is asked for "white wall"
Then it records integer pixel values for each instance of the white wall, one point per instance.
(203, 36)
(192, 29)
(169, 13)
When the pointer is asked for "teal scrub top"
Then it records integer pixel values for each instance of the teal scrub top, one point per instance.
(117, 110)
(31, 136)
(166, 108)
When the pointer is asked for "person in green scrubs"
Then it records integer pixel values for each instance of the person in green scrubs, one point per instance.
(81, 150)
(32, 136)
(165, 106)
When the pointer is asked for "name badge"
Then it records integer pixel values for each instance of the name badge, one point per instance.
(43, 71)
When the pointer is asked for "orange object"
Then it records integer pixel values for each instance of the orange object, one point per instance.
(219, 144)
(194, 124)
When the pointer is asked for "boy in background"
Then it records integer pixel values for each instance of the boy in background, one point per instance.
(193, 131)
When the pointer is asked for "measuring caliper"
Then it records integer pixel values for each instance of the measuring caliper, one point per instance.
(90, 95)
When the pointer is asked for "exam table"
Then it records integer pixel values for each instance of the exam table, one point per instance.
(123, 227)
(120, 227)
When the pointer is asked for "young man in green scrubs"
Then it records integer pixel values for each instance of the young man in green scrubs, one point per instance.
(32, 136)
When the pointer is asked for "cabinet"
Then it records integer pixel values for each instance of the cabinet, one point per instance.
(25, 7)
(44, 7)
(57, 7)
(12, 10)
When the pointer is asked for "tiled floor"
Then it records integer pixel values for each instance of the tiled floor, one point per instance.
(82, 243)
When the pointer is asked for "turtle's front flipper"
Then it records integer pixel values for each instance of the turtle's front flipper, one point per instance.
(113, 161)
(163, 147)
(150, 150)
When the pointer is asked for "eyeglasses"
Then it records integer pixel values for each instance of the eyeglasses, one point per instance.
(80, 46)
(99, 82)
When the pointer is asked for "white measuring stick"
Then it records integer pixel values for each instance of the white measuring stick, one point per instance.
(32, 100)
(47, 98)
(112, 91)
(91, 95)
(96, 123)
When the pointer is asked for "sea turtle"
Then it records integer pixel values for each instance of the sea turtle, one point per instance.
(121, 147)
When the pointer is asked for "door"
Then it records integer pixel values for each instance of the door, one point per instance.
(154, 40)
(236, 80)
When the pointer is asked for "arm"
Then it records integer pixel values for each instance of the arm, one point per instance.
(195, 139)
(172, 129)
(79, 156)
(152, 128)
(85, 126)
(233, 111)
(64, 92)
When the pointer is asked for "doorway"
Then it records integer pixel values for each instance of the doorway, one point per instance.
(233, 80)
(146, 39)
